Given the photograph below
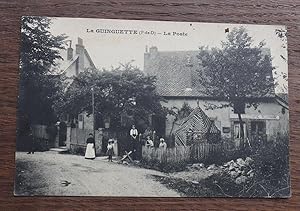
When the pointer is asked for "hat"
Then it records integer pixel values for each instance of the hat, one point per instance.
(162, 139)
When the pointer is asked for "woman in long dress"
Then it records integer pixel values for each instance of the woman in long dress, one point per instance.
(90, 147)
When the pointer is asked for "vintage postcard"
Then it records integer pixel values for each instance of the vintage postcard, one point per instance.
(152, 109)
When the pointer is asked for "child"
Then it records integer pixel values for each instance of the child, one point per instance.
(163, 144)
(110, 149)
(149, 142)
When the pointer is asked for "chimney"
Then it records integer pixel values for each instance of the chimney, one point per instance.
(80, 53)
(150, 57)
(70, 51)
(153, 50)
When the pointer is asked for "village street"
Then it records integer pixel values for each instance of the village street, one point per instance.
(48, 173)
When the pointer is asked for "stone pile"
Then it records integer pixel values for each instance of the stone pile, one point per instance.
(240, 170)
(196, 166)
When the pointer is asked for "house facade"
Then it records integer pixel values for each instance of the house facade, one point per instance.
(75, 62)
(177, 83)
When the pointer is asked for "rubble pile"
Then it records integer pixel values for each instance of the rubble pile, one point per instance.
(196, 166)
(239, 170)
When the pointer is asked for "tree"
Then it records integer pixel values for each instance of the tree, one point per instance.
(122, 90)
(281, 33)
(38, 85)
(239, 73)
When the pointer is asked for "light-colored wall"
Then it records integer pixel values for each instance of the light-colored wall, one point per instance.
(88, 121)
(76, 138)
(71, 70)
(87, 63)
(270, 111)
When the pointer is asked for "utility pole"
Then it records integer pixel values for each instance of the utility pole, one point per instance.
(93, 108)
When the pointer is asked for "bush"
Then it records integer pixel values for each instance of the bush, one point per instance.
(271, 163)
(271, 173)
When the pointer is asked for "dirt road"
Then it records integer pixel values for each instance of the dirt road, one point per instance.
(47, 173)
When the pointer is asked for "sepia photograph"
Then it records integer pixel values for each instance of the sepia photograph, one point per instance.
(135, 108)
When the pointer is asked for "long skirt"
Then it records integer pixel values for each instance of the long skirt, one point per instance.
(90, 151)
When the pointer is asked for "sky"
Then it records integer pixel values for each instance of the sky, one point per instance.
(110, 49)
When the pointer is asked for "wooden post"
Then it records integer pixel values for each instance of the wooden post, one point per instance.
(93, 107)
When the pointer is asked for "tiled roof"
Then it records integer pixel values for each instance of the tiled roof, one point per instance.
(176, 72)
(283, 96)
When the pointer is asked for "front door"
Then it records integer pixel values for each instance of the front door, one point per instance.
(237, 133)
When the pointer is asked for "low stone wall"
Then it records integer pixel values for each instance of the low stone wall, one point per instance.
(76, 140)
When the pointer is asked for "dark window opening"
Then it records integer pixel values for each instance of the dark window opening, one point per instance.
(258, 128)
(80, 117)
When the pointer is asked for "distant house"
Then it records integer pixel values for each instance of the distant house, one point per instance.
(72, 65)
(177, 83)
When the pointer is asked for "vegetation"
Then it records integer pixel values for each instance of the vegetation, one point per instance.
(239, 72)
(122, 91)
(270, 178)
(39, 88)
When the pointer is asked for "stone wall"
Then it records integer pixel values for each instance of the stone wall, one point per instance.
(76, 139)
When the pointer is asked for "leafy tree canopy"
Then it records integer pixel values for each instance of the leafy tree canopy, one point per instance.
(122, 90)
(237, 72)
(39, 53)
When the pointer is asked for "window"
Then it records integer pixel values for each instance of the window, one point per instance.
(258, 127)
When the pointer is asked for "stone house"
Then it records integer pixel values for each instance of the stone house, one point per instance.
(177, 83)
(72, 65)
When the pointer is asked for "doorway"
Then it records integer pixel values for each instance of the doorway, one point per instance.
(237, 129)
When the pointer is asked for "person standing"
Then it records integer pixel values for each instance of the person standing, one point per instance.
(110, 149)
(149, 142)
(90, 147)
(134, 141)
(162, 144)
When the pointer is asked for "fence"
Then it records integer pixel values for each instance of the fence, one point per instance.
(39, 131)
(195, 153)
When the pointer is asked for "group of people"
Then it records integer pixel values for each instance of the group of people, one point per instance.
(135, 145)
(149, 143)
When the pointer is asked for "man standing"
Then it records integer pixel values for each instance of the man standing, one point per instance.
(134, 141)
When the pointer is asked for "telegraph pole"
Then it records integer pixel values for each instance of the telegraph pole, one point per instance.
(93, 108)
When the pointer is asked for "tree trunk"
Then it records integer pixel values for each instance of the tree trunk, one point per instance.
(242, 135)
(173, 124)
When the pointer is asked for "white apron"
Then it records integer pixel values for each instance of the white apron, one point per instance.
(90, 151)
